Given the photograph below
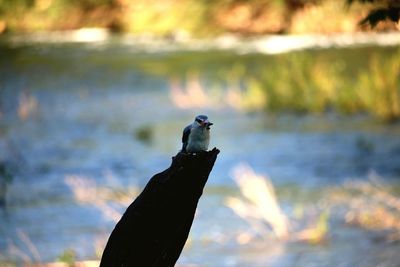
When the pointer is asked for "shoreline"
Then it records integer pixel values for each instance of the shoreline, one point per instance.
(267, 44)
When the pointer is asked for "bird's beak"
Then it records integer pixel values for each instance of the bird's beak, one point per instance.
(204, 123)
(208, 124)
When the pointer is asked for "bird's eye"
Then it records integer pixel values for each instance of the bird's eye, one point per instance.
(199, 120)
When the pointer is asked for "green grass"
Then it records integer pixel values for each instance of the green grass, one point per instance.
(378, 88)
(348, 81)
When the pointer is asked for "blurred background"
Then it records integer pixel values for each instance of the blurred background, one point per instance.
(305, 101)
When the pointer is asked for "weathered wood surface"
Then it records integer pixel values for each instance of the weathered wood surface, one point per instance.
(154, 228)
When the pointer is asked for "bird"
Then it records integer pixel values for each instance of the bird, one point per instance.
(196, 136)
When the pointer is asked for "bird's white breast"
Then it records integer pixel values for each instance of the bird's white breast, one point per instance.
(199, 139)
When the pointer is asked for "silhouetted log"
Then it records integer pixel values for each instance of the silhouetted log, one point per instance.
(154, 228)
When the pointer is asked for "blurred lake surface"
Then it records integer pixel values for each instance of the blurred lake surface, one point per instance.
(113, 115)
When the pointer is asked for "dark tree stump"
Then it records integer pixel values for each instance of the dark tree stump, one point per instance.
(154, 228)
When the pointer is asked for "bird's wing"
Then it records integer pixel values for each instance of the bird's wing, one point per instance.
(185, 137)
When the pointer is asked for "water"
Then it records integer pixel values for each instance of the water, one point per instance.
(104, 113)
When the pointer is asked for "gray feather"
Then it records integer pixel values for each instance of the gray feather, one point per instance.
(185, 137)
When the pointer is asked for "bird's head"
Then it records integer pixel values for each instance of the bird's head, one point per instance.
(202, 121)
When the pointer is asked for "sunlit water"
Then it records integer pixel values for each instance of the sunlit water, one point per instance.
(93, 115)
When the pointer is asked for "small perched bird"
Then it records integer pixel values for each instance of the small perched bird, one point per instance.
(196, 136)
